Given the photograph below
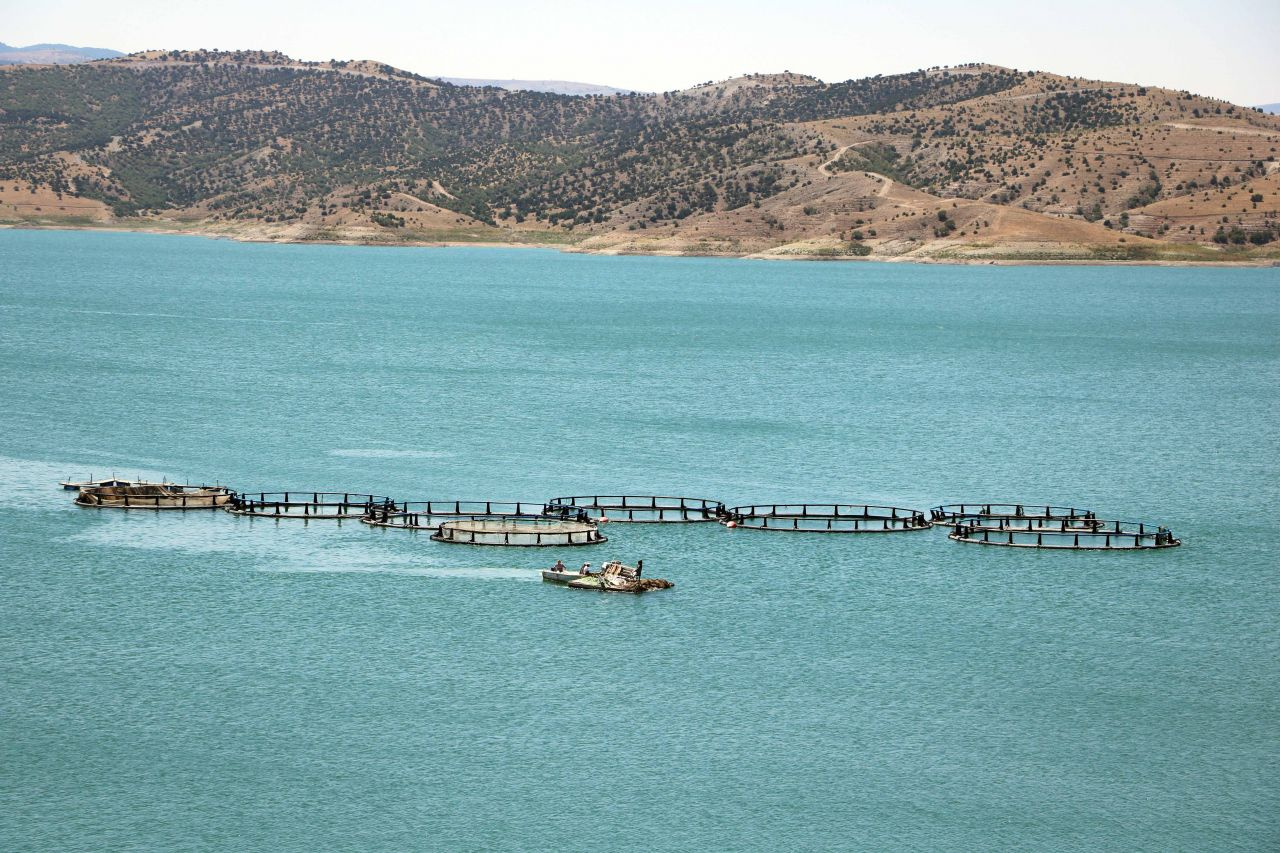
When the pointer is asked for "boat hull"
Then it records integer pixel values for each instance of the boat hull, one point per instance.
(560, 577)
(608, 585)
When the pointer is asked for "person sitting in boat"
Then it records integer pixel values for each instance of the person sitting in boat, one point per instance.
(585, 570)
(559, 566)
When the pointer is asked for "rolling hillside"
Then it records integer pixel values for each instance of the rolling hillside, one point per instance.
(974, 162)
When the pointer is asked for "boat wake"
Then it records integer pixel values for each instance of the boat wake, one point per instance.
(154, 314)
(488, 573)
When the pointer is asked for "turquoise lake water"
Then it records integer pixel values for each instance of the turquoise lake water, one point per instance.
(202, 681)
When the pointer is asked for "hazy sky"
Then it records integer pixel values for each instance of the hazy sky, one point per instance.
(1226, 50)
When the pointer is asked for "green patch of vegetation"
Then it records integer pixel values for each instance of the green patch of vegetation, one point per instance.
(1147, 193)
(1237, 236)
(79, 221)
(881, 158)
(856, 250)
(388, 220)
(1163, 252)
(490, 235)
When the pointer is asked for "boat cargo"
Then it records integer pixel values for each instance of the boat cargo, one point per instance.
(615, 576)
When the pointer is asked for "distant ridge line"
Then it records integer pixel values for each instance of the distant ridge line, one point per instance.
(52, 54)
(557, 87)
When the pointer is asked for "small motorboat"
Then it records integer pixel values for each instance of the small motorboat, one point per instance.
(560, 573)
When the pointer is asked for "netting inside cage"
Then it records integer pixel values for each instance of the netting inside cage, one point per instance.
(514, 531)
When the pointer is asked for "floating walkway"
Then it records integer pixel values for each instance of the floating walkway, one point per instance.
(428, 515)
(642, 509)
(306, 505)
(949, 514)
(825, 518)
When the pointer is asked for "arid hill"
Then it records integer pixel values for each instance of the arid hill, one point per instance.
(965, 163)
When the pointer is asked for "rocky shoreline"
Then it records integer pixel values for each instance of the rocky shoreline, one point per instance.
(1013, 254)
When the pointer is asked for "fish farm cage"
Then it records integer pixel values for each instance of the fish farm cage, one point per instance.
(518, 531)
(948, 515)
(826, 518)
(306, 505)
(1067, 535)
(641, 509)
(156, 496)
(427, 515)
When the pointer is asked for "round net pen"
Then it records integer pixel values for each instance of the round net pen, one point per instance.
(306, 505)
(1036, 533)
(949, 514)
(640, 509)
(156, 496)
(513, 531)
(826, 518)
(427, 515)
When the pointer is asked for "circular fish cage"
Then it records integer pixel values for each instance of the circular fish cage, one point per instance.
(948, 515)
(1067, 535)
(517, 531)
(156, 496)
(826, 518)
(427, 515)
(641, 509)
(306, 505)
